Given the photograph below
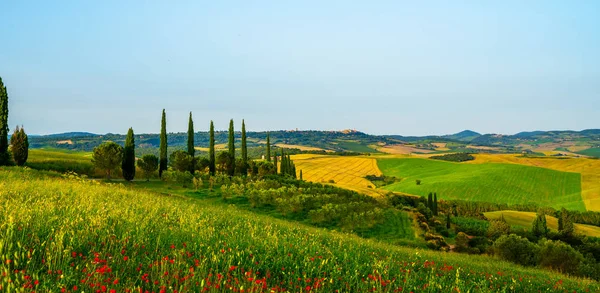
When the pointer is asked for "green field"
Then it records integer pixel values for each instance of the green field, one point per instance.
(61, 161)
(489, 182)
(593, 152)
(84, 236)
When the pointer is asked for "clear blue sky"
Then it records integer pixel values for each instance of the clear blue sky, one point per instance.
(383, 67)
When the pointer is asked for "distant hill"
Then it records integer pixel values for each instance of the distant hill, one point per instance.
(465, 135)
(69, 135)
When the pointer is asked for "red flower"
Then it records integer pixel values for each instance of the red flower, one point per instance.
(125, 258)
(231, 268)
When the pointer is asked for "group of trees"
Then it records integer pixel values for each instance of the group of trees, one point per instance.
(19, 141)
(109, 155)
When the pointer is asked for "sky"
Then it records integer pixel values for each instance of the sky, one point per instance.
(381, 67)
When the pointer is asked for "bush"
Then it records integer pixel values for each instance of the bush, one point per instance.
(516, 249)
(462, 242)
(559, 256)
(498, 228)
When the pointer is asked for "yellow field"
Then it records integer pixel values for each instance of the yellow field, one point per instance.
(589, 169)
(526, 218)
(218, 147)
(401, 149)
(346, 172)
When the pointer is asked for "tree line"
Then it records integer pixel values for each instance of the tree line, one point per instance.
(109, 155)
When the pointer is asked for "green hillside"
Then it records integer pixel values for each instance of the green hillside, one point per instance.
(592, 152)
(491, 182)
(81, 235)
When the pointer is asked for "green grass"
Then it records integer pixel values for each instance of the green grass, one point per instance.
(60, 234)
(593, 152)
(353, 146)
(490, 182)
(61, 161)
(525, 219)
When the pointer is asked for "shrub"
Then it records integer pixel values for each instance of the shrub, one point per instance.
(516, 249)
(559, 256)
(498, 228)
(462, 242)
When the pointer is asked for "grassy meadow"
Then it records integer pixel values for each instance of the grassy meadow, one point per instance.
(588, 168)
(491, 182)
(73, 235)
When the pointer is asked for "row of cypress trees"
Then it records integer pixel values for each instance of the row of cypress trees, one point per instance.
(231, 165)
(432, 203)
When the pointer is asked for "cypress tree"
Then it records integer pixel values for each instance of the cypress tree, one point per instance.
(163, 144)
(300, 175)
(430, 201)
(190, 141)
(289, 165)
(294, 171)
(128, 164)
(269, 150)
(211, 152)
(283, 164)
(244, 170)
(20, 146)
(275, 163)
(448, 221)
(4, 157)
(231, 164)
(435, 207)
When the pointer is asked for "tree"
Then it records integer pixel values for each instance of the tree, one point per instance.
(283, 163)
(163, 144)
(223, 159)
(181, 161)
(300, 175)
(244, 169)
(128, 164)
(190, 142)
(448, 221)
(107, 156)
(231, 165)
(4, 156)
(430, 201)
(20, 146)
(148, 164)
(275, 165)
(565, 223)
(498, 228)
(269, 150)
(211, 151)
(539, 227)
(435, 205)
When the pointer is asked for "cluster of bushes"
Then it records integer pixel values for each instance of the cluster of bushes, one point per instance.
(555, 255)
(320, 205)
(456, 157)
(382, 180)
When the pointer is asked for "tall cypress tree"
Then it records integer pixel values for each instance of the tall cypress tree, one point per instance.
(275, 164)
(282, 164)
(269, 150)
(231, 166)
(211, 150)
(190, 140)
(4, 157)
(128, 164)
(430, 201)
(435, 208)
(300, 175)
(244, 170)
(163, 144)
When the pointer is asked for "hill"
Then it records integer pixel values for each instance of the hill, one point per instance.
(465, 135)
(502, 183)
(114, 237)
